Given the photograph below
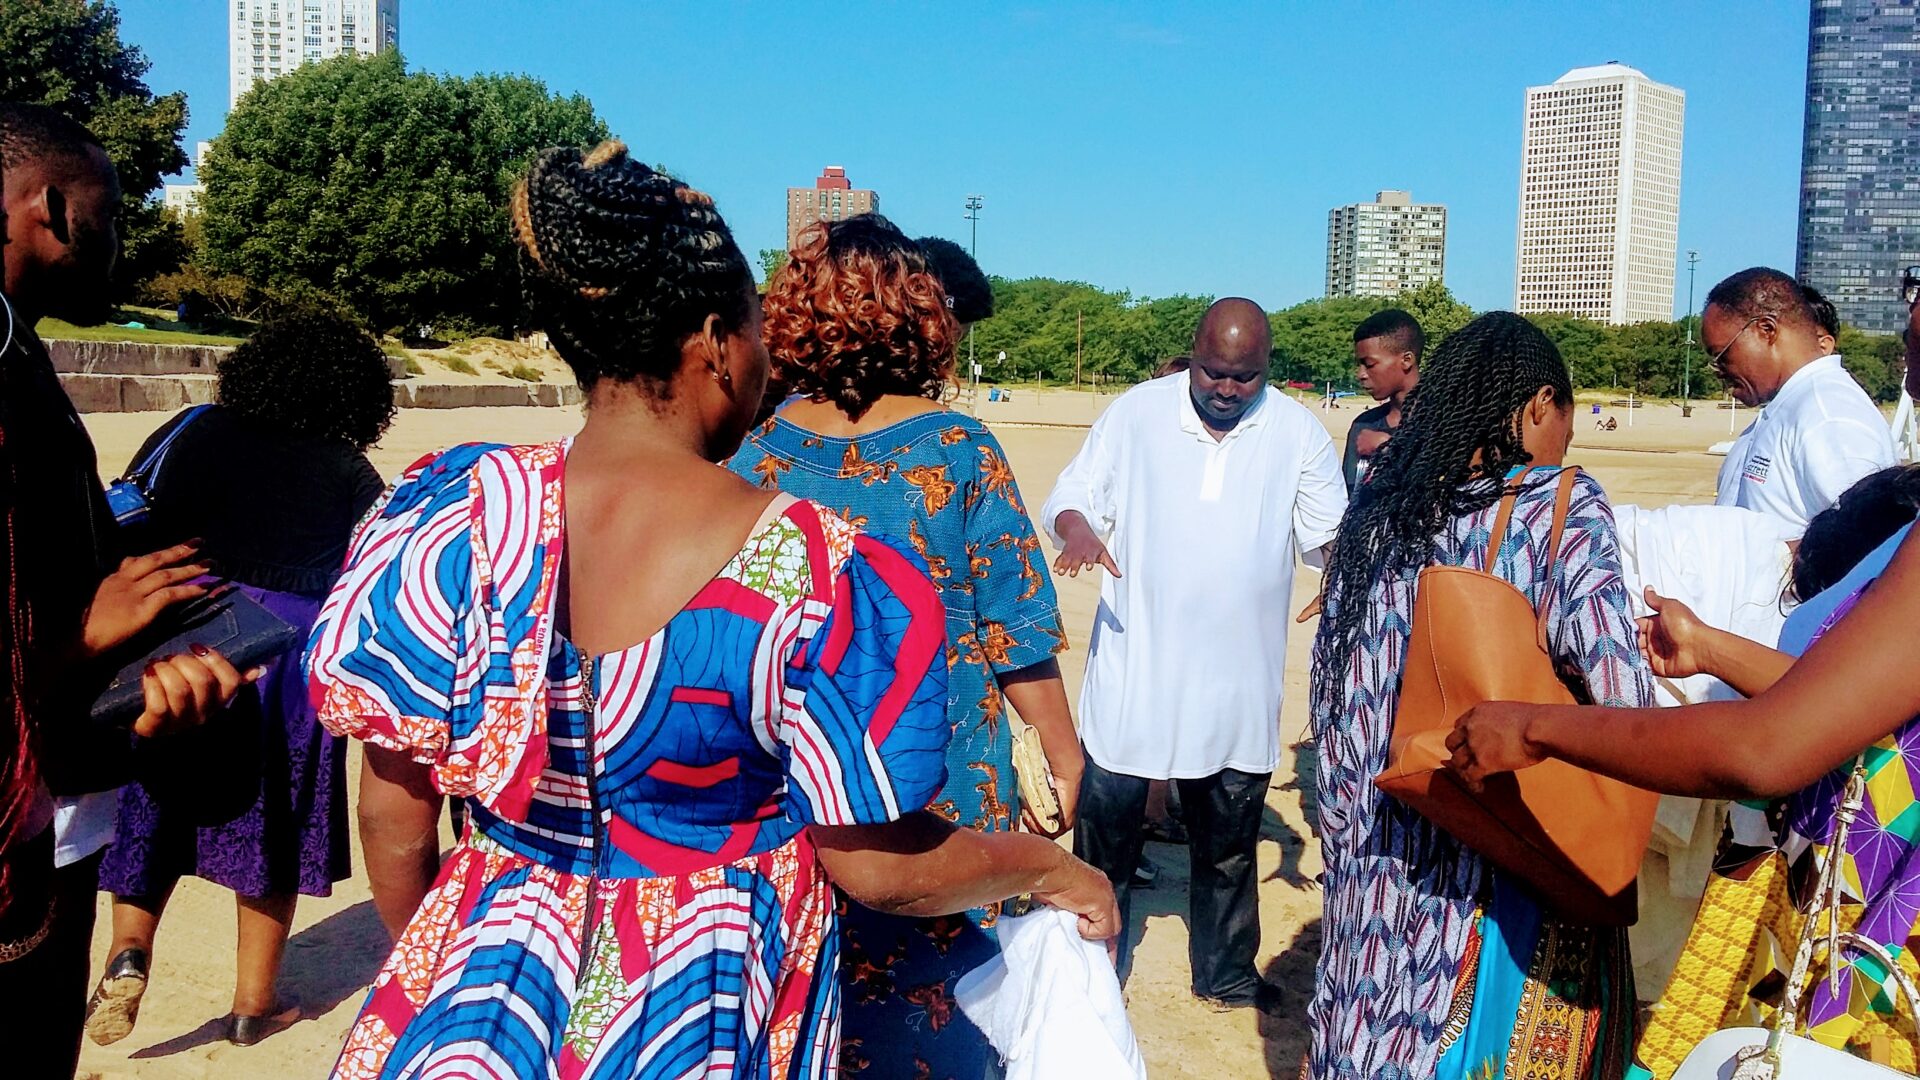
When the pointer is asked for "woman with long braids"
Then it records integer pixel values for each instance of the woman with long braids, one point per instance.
(679, 707)
(1433, 963)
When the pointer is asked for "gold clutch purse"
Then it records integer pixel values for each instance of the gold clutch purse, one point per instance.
(1034, 775)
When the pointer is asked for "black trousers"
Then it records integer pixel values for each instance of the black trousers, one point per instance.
(46, 990)
(1222, 814)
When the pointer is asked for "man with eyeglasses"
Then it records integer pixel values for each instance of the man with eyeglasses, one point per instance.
(1194, 492)
(1818, 432)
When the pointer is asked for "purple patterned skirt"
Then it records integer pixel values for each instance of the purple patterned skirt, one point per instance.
(255, 801)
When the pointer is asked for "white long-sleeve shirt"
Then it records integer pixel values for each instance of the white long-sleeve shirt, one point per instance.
(1818, 436)
(1188, 654)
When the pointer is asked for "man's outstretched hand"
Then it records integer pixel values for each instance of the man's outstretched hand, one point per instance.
(1080, 546)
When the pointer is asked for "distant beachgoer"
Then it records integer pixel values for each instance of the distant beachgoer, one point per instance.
(857, 325)
(1409, 908)
(71, 600)
(273, 477)
(1386, 353)
(1819, 432)
(1194, 493)
(680, 707)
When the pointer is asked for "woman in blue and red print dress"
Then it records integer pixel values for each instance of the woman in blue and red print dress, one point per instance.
(678, 707)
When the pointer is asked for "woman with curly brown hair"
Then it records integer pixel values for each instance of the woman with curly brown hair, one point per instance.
(860, 332)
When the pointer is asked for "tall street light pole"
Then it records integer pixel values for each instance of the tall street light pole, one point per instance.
(1686, 377)
(974, 203)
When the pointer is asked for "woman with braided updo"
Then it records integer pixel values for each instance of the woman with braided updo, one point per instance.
(861, 331)
(677, 707)
(1433, 963)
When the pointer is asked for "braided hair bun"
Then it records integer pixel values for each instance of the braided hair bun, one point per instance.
(620, 263)
(1449, 458)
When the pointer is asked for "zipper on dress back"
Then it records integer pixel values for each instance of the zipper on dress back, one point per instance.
(590, 696)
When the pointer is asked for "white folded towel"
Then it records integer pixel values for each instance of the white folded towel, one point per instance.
(1050, 1003)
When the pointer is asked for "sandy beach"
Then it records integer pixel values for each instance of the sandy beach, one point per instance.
(338, 943)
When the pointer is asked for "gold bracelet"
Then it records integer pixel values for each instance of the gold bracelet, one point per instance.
(12, 951)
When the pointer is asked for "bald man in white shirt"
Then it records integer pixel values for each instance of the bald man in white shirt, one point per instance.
(1818, 433)
(1194, 493)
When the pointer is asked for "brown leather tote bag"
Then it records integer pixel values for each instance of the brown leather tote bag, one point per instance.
(1575, 837)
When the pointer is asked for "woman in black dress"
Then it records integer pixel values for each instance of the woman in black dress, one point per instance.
(273, 479)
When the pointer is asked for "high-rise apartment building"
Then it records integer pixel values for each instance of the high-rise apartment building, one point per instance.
(1600, 196)
(1385, 246)
(268, 38)
(1860, 159)
(831, 198)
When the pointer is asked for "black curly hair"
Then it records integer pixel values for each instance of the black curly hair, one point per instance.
(1761, 291)
(1448, 458)
(969, 294)
(620, 264)
(311, 373)
(1846, 532)
(1823, 310)
(1396, 326)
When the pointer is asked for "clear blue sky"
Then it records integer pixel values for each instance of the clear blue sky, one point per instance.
(1155, 147)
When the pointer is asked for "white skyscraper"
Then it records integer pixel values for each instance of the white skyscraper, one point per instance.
(1600, 196)
(1385, 246)
(267, 38)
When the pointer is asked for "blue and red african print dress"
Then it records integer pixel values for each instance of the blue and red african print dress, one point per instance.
(636, 896)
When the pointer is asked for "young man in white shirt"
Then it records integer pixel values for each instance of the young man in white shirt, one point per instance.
(1194, 492)
(1819, 433)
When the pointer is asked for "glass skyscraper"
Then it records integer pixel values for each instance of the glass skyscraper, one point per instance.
(1860, 158)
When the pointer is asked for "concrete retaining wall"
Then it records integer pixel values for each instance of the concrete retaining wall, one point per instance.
(137, 393)
(150, 358)
(96, 393)
(134, 358)
(138, 376)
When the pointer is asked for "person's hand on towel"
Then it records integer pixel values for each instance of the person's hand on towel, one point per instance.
(1074, 886)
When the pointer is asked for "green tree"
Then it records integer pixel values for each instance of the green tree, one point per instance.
(772, 261)
(1579, 341)
(356, 183)
(1877, 361)
(1313, 341)
(68, 54)
(1435, 308)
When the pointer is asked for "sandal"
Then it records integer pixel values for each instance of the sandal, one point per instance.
(247, 1030)
(115, 1004)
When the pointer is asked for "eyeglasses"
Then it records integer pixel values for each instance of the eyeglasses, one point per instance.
(1910, 285)
(1721, 355)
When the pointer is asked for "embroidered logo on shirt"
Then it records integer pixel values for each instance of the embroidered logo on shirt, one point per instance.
(1756, 469)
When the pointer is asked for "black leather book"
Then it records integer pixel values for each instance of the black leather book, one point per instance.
(226, 620)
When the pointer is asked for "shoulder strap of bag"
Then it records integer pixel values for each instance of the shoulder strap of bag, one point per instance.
(144, 469)
(1562, 504)
(1504, 516)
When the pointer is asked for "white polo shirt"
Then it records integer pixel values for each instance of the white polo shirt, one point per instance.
(1819, 436)
(1188, 657)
